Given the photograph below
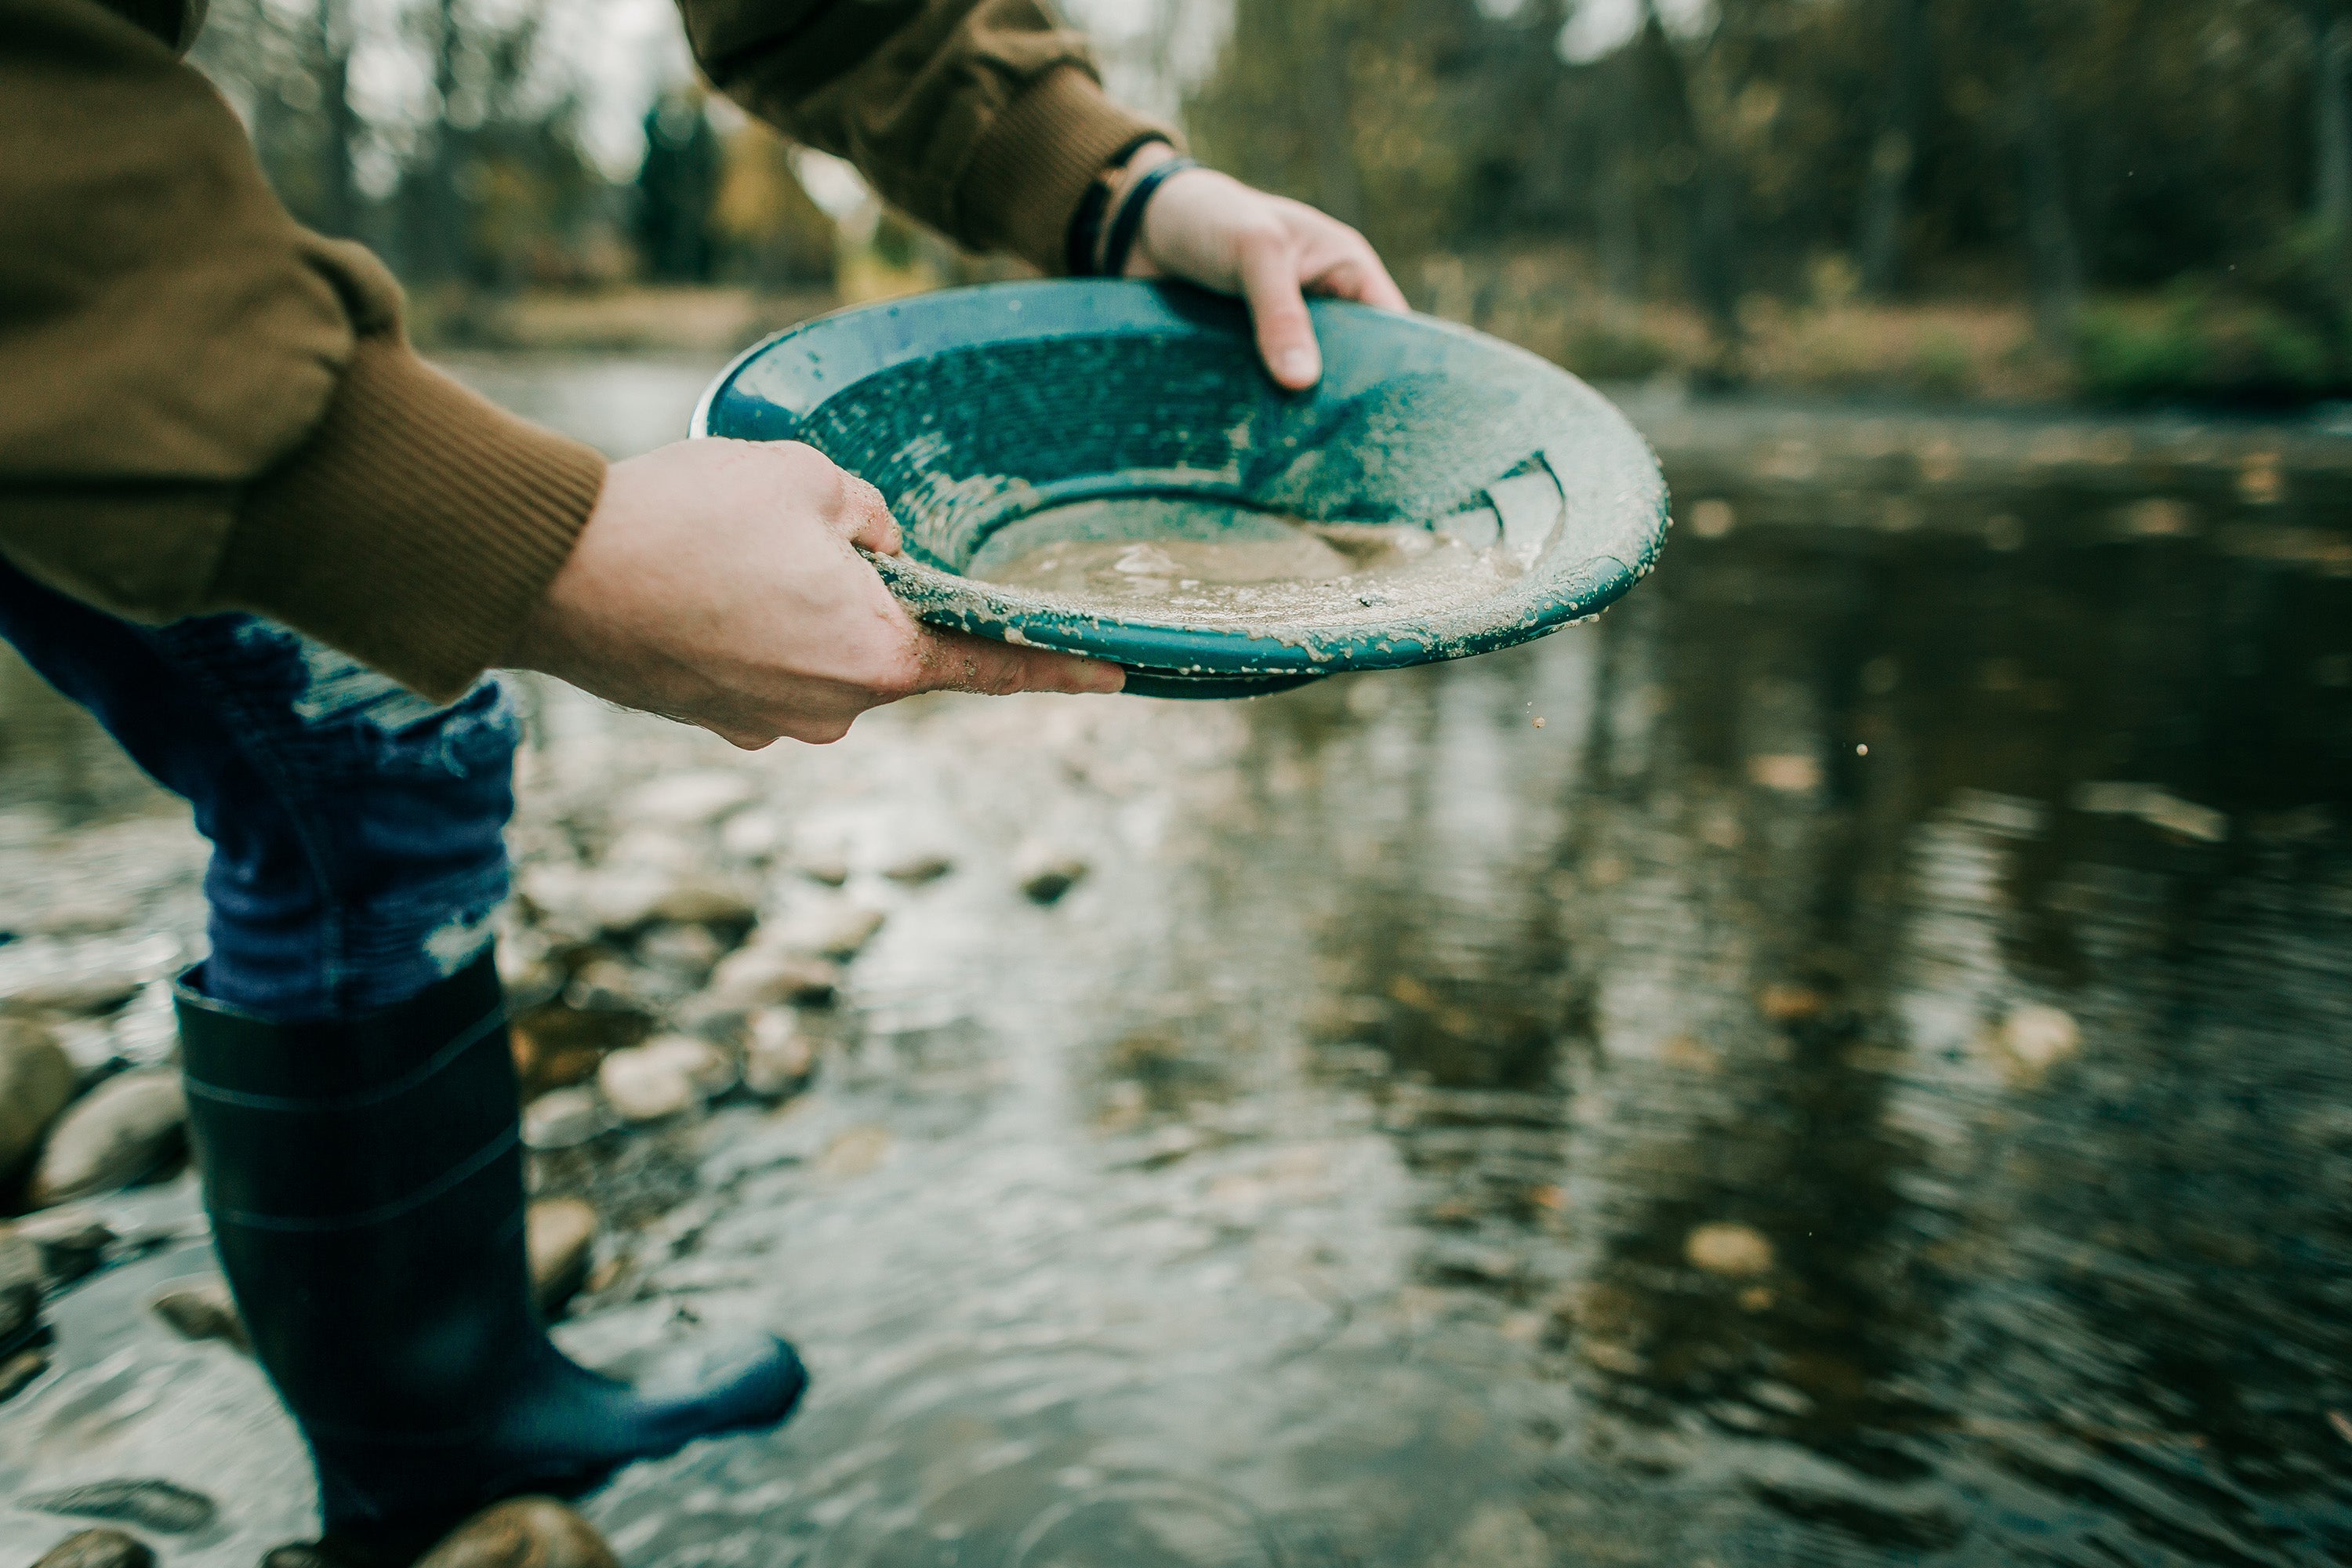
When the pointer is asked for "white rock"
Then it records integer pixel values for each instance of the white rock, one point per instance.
(688, 799)
(564, 1118)
(646, 1086)
(559, 1238)
(2035, 1035)
(838, 931)
(688, 949)
(752, 835)
(123, 1129)
(777, 1057)
(1737, 1250)
(765, 973)
(708, 1069)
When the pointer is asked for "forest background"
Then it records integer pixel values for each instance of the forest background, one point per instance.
(2018, 200)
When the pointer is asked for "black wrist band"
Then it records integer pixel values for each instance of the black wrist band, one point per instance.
(1128, 224)
(1083, 240)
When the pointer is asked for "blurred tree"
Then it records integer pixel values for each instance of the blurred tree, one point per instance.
(677, 186)
(769, 232)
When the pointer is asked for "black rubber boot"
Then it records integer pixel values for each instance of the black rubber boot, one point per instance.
(364, 1178)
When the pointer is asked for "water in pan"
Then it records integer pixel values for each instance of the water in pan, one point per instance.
(1209, 562)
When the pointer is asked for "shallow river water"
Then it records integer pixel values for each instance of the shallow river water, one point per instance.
(1847, 1059)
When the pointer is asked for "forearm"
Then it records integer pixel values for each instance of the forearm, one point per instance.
(209, 407)
(981, 118)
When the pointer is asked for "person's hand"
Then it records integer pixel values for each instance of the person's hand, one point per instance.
(716, 583)
(1210, 230)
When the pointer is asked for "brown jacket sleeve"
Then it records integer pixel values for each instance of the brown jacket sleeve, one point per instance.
(205, 406)
(981, 118)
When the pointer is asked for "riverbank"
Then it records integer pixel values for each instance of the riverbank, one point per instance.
(1948, 352)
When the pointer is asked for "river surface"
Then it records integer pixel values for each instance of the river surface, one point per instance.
(1847, 1059)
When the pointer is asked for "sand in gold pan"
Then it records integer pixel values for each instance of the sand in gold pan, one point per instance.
(1357, 564)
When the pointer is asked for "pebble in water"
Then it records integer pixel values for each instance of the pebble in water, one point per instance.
(688, 799)
(158, 1505)
(124, 1129)
(838, 931)
(1045, 873)
(523, 1533)
(17, 1372)
(777, 1058)
(564, 1118)
(2035, 1036)
(560, 1236)
(20, 1285)
(37, 1080)
(663, 1077)
(204, 1310)
(918, 867)
(72, 1242)
(98, 1548)
(766, 973)
(1736, 1251)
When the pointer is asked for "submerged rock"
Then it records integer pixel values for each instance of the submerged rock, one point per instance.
(156, 1504)
(20, 1284)
(564, 1118)
(765, 974)
(828, 867)
(918, 867)
(838, 931)
(37, 1080)
(777, 1058)
(1046, 873)
(17, 1372)
(204, 1310)
(1736, 1251)
(126, 1128)
(523, 1533)
(100, 1548)
(72, 1242)
(560, 1236)
(2035, 1036)
(688, 799)
(663, 1077)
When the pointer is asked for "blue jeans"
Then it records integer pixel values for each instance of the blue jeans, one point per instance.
(357, 830)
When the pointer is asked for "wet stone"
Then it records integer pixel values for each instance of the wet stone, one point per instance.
(154, 1504)
(660, 1079)
(20, 1285)
(204, 1310)
(122, 1131)
(560, 1236)
(1045, 873)
(564, 1118)
(686, 950)
(1737, 1251)
(838, 931)
(100, 1548)
(824, 866)
(765, 974)
(523, 1532)
(72, 1242)
(17, 1372)
(688, 799)
(917, 868)
(2035, 1036)
(37, 1080)
(777, 1057)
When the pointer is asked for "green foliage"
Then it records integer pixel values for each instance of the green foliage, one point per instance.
(2196, 343)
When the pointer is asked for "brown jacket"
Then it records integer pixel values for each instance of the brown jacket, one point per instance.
(205, 406)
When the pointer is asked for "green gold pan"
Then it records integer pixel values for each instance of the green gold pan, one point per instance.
(974, 410)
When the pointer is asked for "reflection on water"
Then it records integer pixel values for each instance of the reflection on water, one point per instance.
(1842, 1060)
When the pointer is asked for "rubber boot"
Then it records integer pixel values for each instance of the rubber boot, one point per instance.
(364, 1178)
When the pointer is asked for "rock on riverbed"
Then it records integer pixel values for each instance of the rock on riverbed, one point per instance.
(126, 1128)
(104, 1547)
(37, 1080)
(523, 1532)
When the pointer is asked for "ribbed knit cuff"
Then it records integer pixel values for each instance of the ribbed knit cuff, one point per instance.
(1037, 159)
(414, 529)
